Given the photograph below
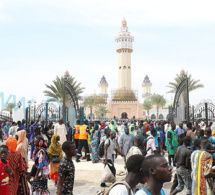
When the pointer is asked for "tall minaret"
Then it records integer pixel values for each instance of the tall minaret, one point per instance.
(124, 50)
(146, 87)
(103, 86)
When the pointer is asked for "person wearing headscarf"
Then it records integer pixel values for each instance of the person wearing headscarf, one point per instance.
(6, 130)
(17, 165)
(53, 151)
(41, 163)
(21, 144)
(103, 125)
(113, 126)
(22, 148)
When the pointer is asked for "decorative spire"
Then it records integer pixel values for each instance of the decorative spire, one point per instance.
(146, 79)
(103, 80)
(66, 74)
(124, 23)
(182, 72)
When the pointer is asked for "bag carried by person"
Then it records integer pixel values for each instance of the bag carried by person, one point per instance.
(107, 191)
(33, 171)
(56, 159)
(101, 149)
(144, 149)
(107, 175)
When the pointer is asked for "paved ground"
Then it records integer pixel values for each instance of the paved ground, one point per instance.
(87, 177)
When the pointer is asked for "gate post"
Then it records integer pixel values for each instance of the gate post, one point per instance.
(206, 113)
(188, 111)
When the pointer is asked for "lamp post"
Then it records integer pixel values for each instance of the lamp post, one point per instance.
(193, 114)
(28, 113)
(187, 90)
(66, 75)
(34, 109)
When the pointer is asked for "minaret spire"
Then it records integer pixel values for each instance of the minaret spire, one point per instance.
(124, 49)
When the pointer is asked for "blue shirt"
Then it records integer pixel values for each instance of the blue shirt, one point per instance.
(179, 130)
(23, 127)
(161, 136)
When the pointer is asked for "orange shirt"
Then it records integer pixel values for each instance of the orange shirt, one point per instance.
(76, 135)
(83, 132)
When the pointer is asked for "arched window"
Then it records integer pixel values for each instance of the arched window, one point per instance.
(153, 117)
(129, 67)
(161, 117)
(167, 117)
(124, 67)
(120, 67)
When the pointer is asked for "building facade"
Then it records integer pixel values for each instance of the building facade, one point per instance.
(123, 101)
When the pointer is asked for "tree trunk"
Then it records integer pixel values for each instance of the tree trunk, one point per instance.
(157, 112)
(147, 114)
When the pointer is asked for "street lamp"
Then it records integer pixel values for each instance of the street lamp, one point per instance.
(34, 109)
(66, 75)
(28, 113)
(19, 104)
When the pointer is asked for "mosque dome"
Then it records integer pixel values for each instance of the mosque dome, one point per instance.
(146, 79)
(103, 80)
(124, 95)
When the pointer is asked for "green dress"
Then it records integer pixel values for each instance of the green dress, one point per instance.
(173, 141)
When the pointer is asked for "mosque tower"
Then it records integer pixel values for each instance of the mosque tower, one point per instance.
(103, 86)
(124, 49)
(146, 87)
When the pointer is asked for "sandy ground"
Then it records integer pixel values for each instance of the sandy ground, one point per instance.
(88, 175)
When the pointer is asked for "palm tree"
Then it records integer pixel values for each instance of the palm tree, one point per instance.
(102, 110)
(158, 101)
(147, 105)
(55, 90)
(192, 84)
(10, 107)
(91, 102)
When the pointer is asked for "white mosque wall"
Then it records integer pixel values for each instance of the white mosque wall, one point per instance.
(163, 114)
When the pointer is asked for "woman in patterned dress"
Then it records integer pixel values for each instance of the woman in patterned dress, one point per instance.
(95, 145)
(17, 164)
(6, 130)
(40, 157)
(202, 174)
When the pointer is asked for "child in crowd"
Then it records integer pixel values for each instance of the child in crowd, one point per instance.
(66, 170)
(5, 170)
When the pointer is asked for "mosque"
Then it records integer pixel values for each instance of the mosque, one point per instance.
(124, 101)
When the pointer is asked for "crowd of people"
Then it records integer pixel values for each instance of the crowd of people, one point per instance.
(142, 145)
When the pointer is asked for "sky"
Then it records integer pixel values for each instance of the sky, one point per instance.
(40, 39)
